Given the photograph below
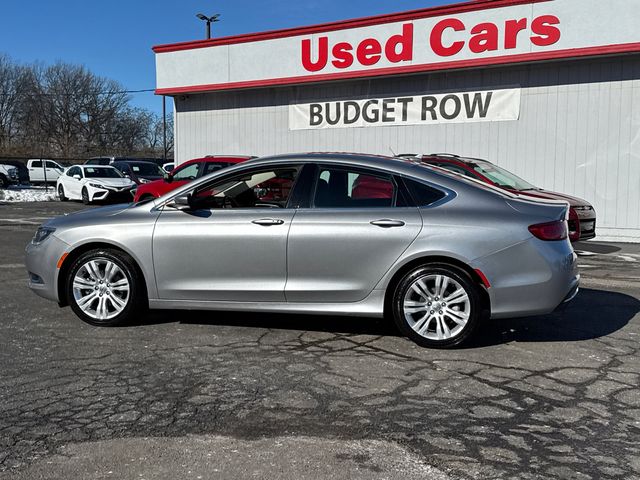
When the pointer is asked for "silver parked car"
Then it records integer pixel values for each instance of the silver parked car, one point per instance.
(316, 233)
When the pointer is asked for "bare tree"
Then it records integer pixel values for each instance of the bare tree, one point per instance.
(66, 110)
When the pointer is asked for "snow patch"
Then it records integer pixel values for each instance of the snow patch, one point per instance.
(28, 195)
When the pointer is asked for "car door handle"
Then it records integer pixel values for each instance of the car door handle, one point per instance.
(386, 223)
(267, 222)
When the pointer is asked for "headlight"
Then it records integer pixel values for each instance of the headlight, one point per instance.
(144, 180)
(97, 185)
(42, 234)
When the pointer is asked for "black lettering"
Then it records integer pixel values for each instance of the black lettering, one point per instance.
(405, 106)
(366, 112)
(315, 115)
(332, 121)
(483, 108)
(388, 109)
(429, 104)
(348, 106)
(443, 107)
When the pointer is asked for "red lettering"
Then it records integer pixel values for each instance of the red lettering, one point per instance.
(404, 41)
(369, 52)
(436, 37)
(323, 55)
(511, 30)
(485, 38)
(546, 33)
(342, 54)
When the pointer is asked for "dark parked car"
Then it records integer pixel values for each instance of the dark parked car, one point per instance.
(23, 171)
(139, 171)
(582, 215)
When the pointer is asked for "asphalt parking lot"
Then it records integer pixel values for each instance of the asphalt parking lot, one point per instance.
(223, 395)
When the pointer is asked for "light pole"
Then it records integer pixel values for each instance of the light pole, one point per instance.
(209, 20)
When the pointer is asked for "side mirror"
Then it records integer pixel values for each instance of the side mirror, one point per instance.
(168, 177)
(77, 177)
(182, 202)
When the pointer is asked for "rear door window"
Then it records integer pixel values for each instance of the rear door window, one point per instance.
(346, 188)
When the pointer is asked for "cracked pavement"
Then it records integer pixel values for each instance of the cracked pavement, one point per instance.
(545, 397)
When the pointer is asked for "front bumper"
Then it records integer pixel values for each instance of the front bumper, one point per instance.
(112, 194)
(41, 262)
(587, 228)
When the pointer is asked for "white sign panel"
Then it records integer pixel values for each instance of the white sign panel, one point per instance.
(464, 107)
(465, 35)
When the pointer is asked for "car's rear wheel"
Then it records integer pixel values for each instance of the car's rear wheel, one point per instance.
(85, 197)
(61, 195)
(104, 288)
(437, 305)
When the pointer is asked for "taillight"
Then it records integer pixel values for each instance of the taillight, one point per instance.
(550, 231)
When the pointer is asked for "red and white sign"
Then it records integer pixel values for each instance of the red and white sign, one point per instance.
(471, 34)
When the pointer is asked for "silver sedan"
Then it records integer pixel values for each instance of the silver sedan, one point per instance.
(334, 234)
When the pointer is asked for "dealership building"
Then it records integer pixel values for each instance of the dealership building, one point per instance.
(549, 89)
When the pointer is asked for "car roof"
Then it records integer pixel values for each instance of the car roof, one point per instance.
(218, 158)
(133, 161)
(83, 166)
(451, 158)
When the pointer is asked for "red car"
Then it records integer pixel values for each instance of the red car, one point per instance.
(582, 216)
(185, 173)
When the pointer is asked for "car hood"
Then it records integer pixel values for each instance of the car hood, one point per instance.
(112, 182)
(88, 216)
(548, 195)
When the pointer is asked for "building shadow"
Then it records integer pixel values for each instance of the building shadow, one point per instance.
(592, 314)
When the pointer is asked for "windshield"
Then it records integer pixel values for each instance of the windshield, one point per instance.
(146, 169)
(101, 172)
(501, 177)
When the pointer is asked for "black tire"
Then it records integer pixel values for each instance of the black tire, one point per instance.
(3, 181)
(61, 195)
(136, 301)
(85, 197)
(426, 273)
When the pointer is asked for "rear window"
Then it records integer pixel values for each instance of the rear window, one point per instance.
(146, 169)
(101, 172)
(423, 195)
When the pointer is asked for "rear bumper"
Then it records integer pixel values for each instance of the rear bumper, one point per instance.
(530, 278)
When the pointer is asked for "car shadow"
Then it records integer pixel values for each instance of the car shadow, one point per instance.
(275, 321)
(595, 247)
(592, 314)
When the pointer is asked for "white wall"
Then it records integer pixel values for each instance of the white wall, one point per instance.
(578, 132)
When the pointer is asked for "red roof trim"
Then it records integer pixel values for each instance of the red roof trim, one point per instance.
(507, 59)
(345, 24)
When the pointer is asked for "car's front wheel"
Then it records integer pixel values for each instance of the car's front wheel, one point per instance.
(104, 288)
(61, 194)
(85, 197)
(437, 305)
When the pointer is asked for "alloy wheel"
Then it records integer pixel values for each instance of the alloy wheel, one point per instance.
(437, 307)
(101, 289)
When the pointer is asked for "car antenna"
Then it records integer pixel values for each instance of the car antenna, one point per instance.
(392, 152)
